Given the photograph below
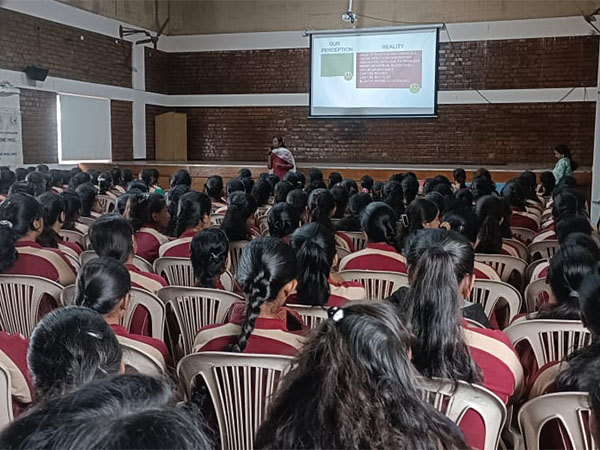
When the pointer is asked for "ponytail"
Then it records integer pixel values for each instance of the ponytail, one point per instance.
(489, 211)
(208, 253)
(256, 296)
(140, 208)
(321, 203)
(378, 221)
(315, 250)
(8, 239)
(53, 207)
(191, 210)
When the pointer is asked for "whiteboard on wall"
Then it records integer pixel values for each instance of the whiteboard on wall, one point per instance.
(83, 128)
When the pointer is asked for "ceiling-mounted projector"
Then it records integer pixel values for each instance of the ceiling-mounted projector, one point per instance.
(349, 17)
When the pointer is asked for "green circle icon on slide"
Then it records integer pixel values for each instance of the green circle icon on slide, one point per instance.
(414, 88)
(348, 76)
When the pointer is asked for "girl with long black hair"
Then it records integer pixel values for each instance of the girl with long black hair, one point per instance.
(283, 219)
(321, 205)
(214, 189)
(72, 203)
(267, 275)
(172, 197)
(420, 214)
(54, 216)
(318, 285)
(89, 200)
(565, 164)
(353, 386)
(493, 216)
(515, 196)
(149, 217)
(209, 253)
(239, 223)
(383, 251)
(193, 215)
(356, 205)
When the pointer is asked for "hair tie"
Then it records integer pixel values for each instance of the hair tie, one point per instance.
(6, 223)
(336, 314)
(574, 294)
(94, 334)
(404, 220)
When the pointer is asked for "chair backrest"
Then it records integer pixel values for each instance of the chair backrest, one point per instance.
(142, 264)
(262, 224)
(176, 271)
(379, 285)
(241, 387)
(20, 299)
(543, 249)
(6, 407)
(67, 295)
(141, 361)
(454, 399)
(532, 266)
(86, 256)
(73, 260)
(545, 379)
(312, 316)
(73, 236)
(521, 248)
(87, 242)
(359, 240)
(550, 340)
(86, 220)
(195, 308)
(217, 219)
(154, 306)
(106, 203)
(235, 253)
(227, 281)
(536, 293)
(525, 235)
(570, 408)
(488, 293)
(342, 252)
(510, 269)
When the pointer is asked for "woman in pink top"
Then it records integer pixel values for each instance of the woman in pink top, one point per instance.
(149, 217)
(315, 250)
(193, 216)
(280, 159)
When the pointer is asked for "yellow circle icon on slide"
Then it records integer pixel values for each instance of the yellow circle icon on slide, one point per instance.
(414, 88)
(348, 76)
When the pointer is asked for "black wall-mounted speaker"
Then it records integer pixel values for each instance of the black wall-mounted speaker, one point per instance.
(36, 73)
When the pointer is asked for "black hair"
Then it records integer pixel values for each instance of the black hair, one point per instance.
(528, 180)
(122, 200)
(111, 235)
(209, 250)
(79, 178)
(126, 412)
(315, 175)
(173, 197)
(378, 221)
(20, 173)
(235, 185)
(464, 221)
(22, 187)
(443, 202)
(283, 219)
(248, 185)
(321, 204)
(88, 195)
(193, 208)
(340, 195)
(147, 176)
(56, 178)
(464, 198)
(273, 180)
(241, 207)
(568, 268)
(335, 178)
(292, 177)
(137, 185)
(69, 347)
(548, 182)
(563, 150)
(490, 211)
(410, 186)
(315, 250)
(101, 285)
(460, 177)
(567, 181)
(366, 182)
(182, 176)
(142, 207)
(567, 202)
(37, 181)
(572, 224)
(394, 196)
(319, 184)
(127, 176)
(155, 175)
(482, 186)
(105, 182)
(583, 240)
(513, 193)
(17, 216)
(267, 264)
(301, 179)
(53, 208)
(299, 200)
(418, 212)
(356, 205)
(93, 173)
(280, 141)
(350, 185)
(353, 386)
(42, 168)
(72, 203)
(281, 191)
(377, 190)
(437, 261)
(7, 179)
(245, 173)
(214, 187)
(261, 192)
(116, 175)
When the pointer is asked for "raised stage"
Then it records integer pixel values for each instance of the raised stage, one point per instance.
(200, 171)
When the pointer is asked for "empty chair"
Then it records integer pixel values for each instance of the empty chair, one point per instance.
(510, 269)
(379, 285)
(73, 236)
(195, 308)
(488, 293)
(241, 387)
(570, 408)
(359, 240)
(550, 340)
(543, 249)
(536, 293)
(454, 399)
(235, 252)
(312, 316)
(525, 235)
(20, 300)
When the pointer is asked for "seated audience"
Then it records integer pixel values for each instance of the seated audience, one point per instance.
(281, 191)
(267, 275)
(460, 179)
(335, 178)
(239, 223)
(149, 217)
(283, 219)
(181, 177)
(356, 205)
(89, 200)
(150, 179)
(193, 216)
(340, 195)
(214, 189)
(420, 214)
(321, 205)
(173, 197)
(394, 196)
(299, 200)
(209, 254)
(54, 217)
(261, 193)
(366, 184)
(547, 183)
(72, 203)
(353, 386)
(514, 195)
(492, 215)
(104, 285)
(318, 285)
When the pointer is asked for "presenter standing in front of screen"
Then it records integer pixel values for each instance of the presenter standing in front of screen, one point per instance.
(280, 159)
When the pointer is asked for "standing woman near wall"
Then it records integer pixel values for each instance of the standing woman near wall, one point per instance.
(565, 165)
(280, 159)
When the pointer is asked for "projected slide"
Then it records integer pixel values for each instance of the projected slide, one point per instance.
(383, 74)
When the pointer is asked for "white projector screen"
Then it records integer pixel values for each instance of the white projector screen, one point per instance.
(83, 128)
(388, 73)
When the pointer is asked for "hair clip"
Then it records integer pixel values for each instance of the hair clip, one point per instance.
(336, 314)
(6, 223)
(94, 334)
(404, 220)
(573, 294)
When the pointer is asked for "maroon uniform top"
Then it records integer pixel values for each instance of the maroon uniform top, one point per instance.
(140, 323)
(523, 220)
(148, 242)
(50, 263)
(178, 248)
(340, 293)
(376, 256)
(13, 358)
(143, 342)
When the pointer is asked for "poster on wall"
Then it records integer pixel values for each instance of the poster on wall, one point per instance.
(11, 145)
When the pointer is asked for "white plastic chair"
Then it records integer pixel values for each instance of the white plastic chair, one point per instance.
(454, 399)
(543, 249)
(570, 408)
(235, 253)
(20, 299)
(342, 252)
(86, 256)
(507, 267)
(195, 308)
(544, 380)
(262, 224)
(73, 236)
(534, 292)
(217, 219)
(241, 387)
(525, 235)
(532, 266)
(155, 308)
(141, 361)
(550, 340)
(106, 203)
(6, 410)
(67, 295)
(73, 260)
(176, 271)
(359, 240)
(488, 293)
(379, 285)
(138, 261)
(312, 316)
(86, 220)
(521, 248)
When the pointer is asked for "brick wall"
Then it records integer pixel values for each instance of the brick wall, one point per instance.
(502, 64)
(38, 122)
(121, 123)
(462, 134)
